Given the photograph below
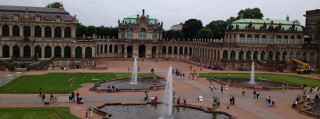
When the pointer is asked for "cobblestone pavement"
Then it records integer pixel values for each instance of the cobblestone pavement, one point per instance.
(246, 107)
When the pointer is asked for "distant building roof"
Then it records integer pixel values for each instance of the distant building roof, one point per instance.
(177, 27)
(133, 19)
(47, 13)
(258, 23)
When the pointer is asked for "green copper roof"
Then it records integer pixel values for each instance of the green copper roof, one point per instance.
(257, 23)
(133, 19)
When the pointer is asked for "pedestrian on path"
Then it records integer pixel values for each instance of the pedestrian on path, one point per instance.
(40, 93)
(43, 96)
(273, 102)
(70, 97)
(269, 101)
(51, 98)
(87, 111)
(254, 94)
(221, 89)
(243, 91)
(211, 87)
(90, 112)
(258, 95)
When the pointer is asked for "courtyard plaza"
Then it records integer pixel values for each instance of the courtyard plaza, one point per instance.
(245, 106)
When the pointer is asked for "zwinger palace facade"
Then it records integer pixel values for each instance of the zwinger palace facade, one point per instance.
(32, 36)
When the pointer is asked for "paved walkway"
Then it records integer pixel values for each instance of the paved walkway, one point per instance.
(245, 107)
(9, 77)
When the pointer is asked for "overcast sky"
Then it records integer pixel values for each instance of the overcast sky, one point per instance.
(107, 12)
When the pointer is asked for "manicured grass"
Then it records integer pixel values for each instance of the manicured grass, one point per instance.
(317, 72)
(36, 113)
(59, 82)
(298, 80)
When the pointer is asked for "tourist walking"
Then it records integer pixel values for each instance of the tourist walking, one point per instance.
(178, 100)
(254, 94)
(90, 111)
(243, 91)
(40, 93)
(222, 89)
(233, 99)
(273, 102)
(70, 97)
(230, 99)
(51, 98)
(78, 96)
(117, 88)
(211, 87)
(43, 96)
(269, 101)
(258, 95)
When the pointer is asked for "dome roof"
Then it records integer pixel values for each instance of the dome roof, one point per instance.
(133, 19)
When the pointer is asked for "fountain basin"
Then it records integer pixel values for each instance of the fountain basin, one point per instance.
(244, 82)
(153, 111)
(143, 84)
(312, 108)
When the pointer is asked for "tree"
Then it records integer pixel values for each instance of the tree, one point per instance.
(191, 27)
(296, 22)
(169, 34)
(217, 28)
(114, 32)
(81, 29)
(254, 13)
(99, 31)
(177, 34)
(204, 34)
(230, 20)
(107, 32)
(54, 5)
(91, 30)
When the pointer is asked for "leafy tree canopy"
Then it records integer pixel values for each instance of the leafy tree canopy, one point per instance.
(204, 34)
(254, 13)
(54, 5)
(191, 28)
(217, 28)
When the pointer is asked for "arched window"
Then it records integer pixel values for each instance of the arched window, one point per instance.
(292, 40)
(67, 52)
(170, 50)
(47, 31)
(47, 51)
(225, 55)
(16, 51)
(57, 52)
(180, 50)
(248, 55)
(270, 56)
(105, 48)
(37, 51)
(298, 40)
(285, 40)
(256, 39)
(263, 56)
(232, 55)
(271, 41)
(5, 51)
(175, 50)
(278, 39)
(5, 30)
(291, 55)
(78, 52)
(255, 55)
(190, 51)
(154, 34)
(129, 34)
(278, 56)
(298, 55)
(15, 30)
(115, 48)
(110, 49)
(27, 51)
(284, 56)
(164, 49)
(264, 39)
(311, 56)
(37, 31)
(67, 32)
(88, 51)
(185, 51)
(241, 53)
(249, 39)
(26, 31)
(57, 32)
(122, 34)
(241, 38)
(142, 34)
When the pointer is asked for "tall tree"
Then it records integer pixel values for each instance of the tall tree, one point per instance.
(191, 28)
(114, 32)
(177, 34)
(254, 13)
(91, 30)
(107, 32)
(169, 34)
(54, 5)
(204, 34)
(230, 20)
(217, 28)
(81, 29)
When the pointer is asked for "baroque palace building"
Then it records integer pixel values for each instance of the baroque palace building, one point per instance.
(38, 38)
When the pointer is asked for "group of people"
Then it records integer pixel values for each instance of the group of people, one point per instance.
(73, 97)
(271, 102)
(53, 100)
(113, 88)
(256, 94)
(184, 101)
(89, 113)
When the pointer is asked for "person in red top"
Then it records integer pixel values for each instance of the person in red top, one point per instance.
(87, 110)
(156, 99)
(178, 100)
(192, 76)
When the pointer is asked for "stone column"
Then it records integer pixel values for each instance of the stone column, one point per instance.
(21, 51)
(52, 32)
(259, 56)
(84, 51)
(229, 55)
(32, 31)
(10, 52)
(73, 32)
(43, 51)
(21, 31)
(274, 56)
(10, 30)
(42, 31)
(280, 56)
(62, 32)
(252, 54)
(32, 50)
(73, 50)
(62, 51)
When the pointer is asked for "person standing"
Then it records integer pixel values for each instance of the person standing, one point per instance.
(178, 100)
(73, 97)
(273, 102)
(78, 96)
(87, 111)
(90, 112)
(211, 88)
(51, 98)
(43, 96)
(233, 99)
(70, 97)
(222, 89)
(40, 93)
(254, 94)
(243, 91)
(269, 101)
(258, 95)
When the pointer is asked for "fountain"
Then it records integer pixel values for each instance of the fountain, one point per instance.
(168, 95)
(134, 72)
(252, 74)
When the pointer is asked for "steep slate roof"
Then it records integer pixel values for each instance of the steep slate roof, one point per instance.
(47, 13)
(257, 23)
(133, 19)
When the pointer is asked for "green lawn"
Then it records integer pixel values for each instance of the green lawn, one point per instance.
(298, 80)
(36, 113)
(59, 82)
